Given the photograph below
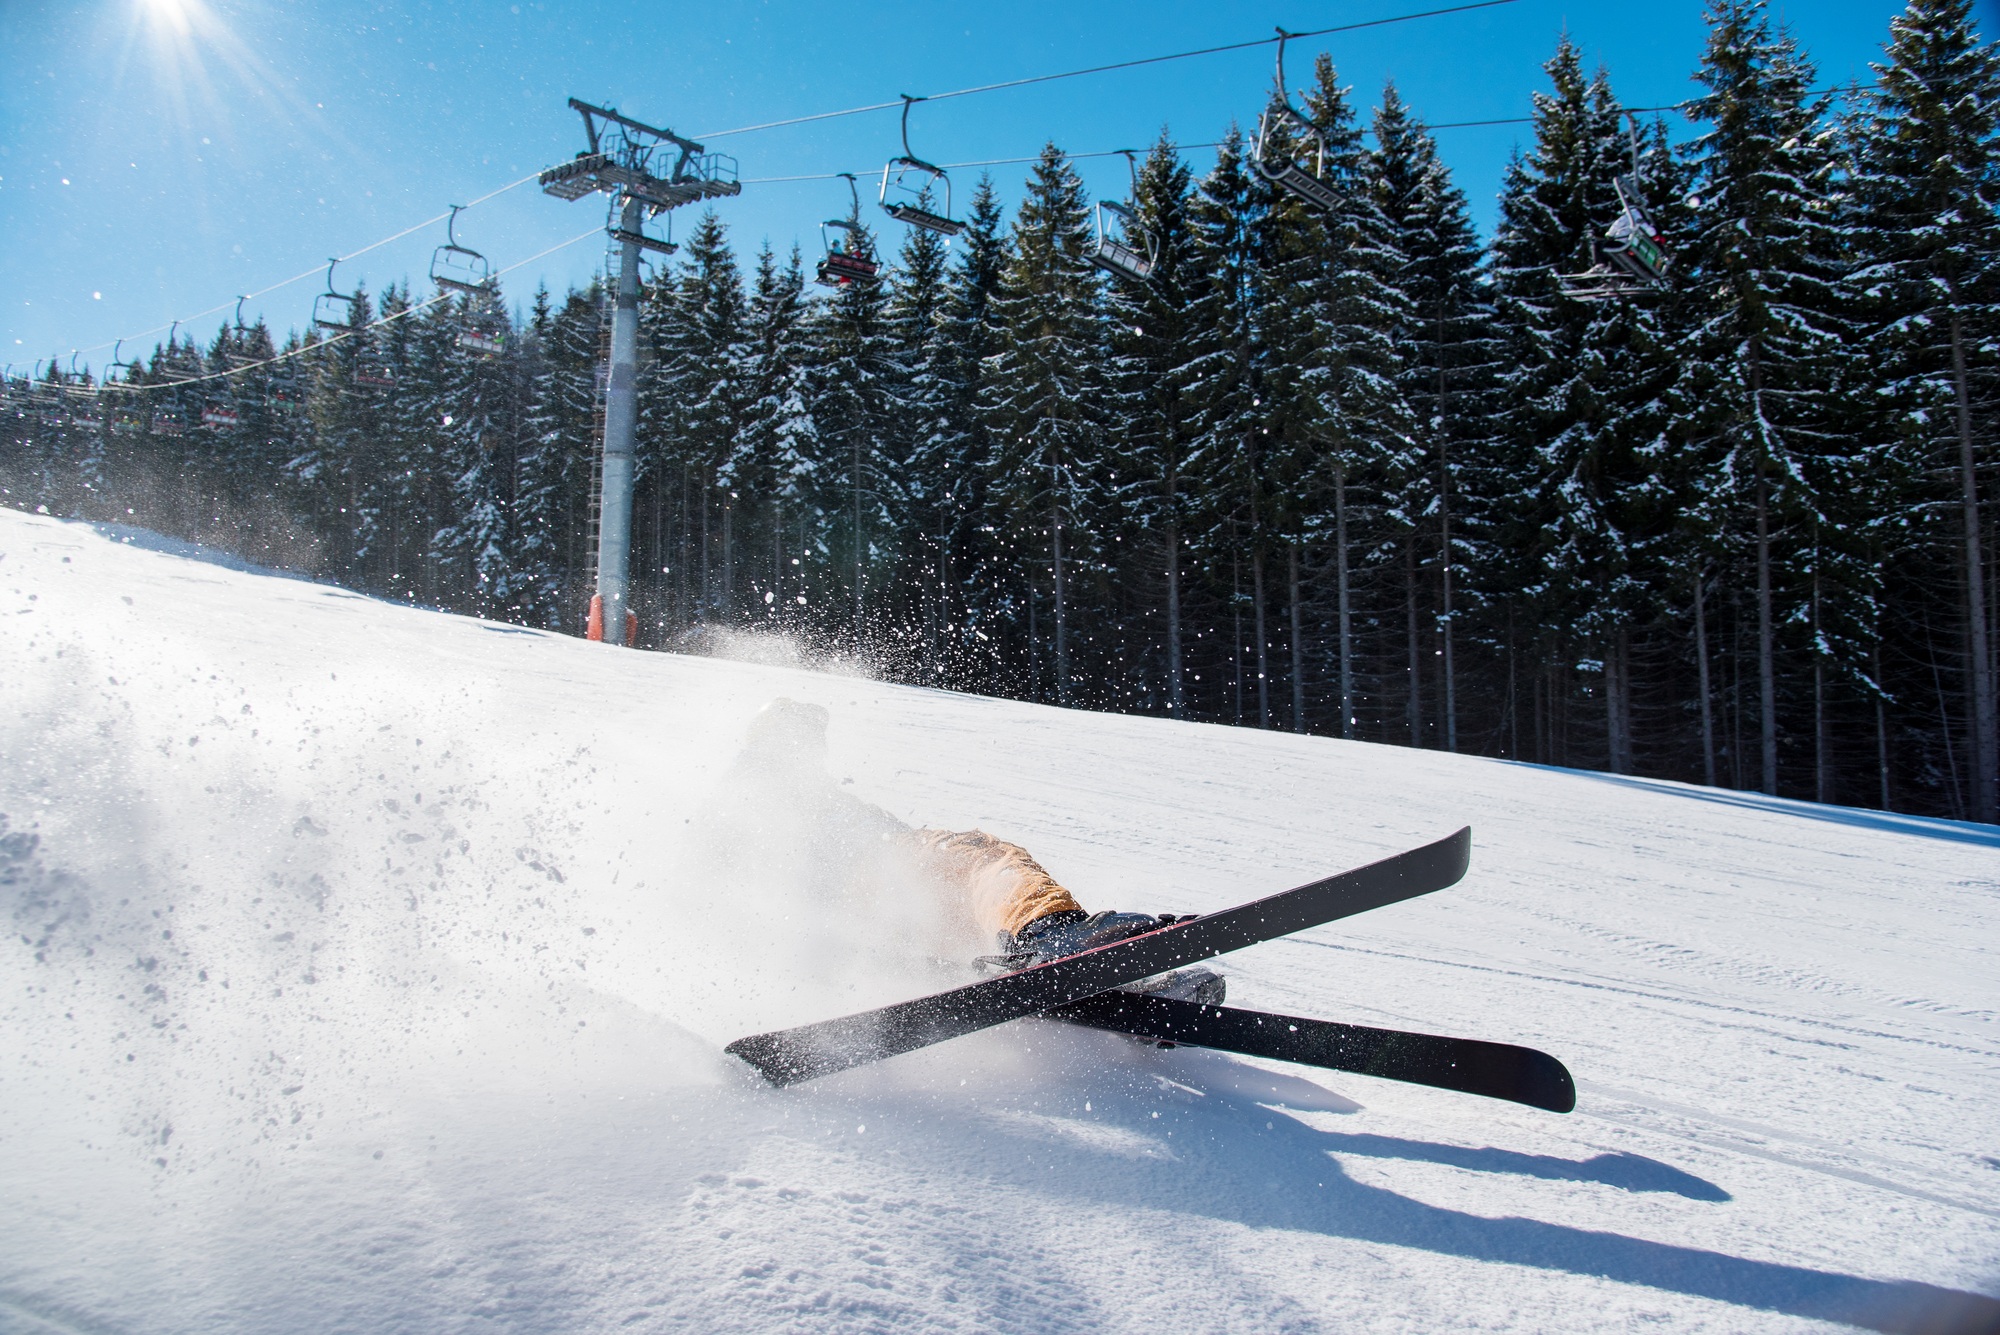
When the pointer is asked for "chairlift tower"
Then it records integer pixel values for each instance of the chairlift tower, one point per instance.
(646, 171)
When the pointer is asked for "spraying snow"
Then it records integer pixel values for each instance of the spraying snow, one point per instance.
(369, 969)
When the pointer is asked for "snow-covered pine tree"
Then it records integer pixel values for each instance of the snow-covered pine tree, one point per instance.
(1926, 181)
(472, 417)
(856, 400)
(1449, 364)
(974, 564)
(1764, 259)
(925, 449)
(698, 394)
(1370, 462)
(1046, 387)
(1218, 381)
(553, 491)
(1152, 338)
(1580, 411)
(775, 447)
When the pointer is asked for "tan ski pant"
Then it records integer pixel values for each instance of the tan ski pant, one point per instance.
(1001, 888)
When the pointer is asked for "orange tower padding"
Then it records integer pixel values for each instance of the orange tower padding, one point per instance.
(631, 629)
(593, 629)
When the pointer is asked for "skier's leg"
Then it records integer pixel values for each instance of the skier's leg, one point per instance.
(997, 885)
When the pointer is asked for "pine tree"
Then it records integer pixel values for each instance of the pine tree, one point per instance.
(1765, 264)
(973, 564)
(856, 390)
(1046, 384)
(697, 400)
(1927, 184)
(1448, 357)
(927, 439)
(1371, 470)
(778, 444)
(1152, 337)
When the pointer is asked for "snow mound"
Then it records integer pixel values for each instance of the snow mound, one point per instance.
(368, 969)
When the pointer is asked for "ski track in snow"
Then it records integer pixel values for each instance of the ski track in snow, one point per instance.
(363, 975)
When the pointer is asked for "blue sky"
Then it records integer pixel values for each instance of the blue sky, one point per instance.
(158, 157)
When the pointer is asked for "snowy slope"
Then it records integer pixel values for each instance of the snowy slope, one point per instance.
(361, 979)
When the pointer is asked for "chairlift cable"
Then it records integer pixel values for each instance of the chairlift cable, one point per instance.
(376, 323)
(319, 269)
(1106, 69)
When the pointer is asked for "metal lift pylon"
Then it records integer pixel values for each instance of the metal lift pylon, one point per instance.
(620, 163)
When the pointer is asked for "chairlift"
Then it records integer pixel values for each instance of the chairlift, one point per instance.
(906, 187)
(1282, 167)
(486, 329)
(236, 349)
(1632, 255)
(458, 268)
(120, 371)
(847, 259)
(169, 422)
(335, 310)
(218, 417)
(1116, 255)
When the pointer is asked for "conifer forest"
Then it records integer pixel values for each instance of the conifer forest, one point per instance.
(1351, 471)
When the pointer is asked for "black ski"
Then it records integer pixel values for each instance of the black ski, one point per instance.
(1469, 1065)
(787, 1056)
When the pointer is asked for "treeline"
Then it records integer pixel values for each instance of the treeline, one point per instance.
(1345, 471)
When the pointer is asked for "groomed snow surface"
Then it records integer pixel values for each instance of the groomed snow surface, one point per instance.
(369, 968)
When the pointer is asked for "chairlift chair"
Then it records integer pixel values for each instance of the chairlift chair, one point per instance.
(218, 417)
(845, 240)
(455, 267)
(334, 310)
(236, 348)
(1282, 168)
(1114, 254)
(119, 372)
(906, 185)
(1632, 255)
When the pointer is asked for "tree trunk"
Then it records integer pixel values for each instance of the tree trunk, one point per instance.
(1985, 739)
(1344, 609)
(1618, 702)
(1414, 640)
(855, 469)
(1767, 677)
(1236, 622)
(1298, 643)
(1822, 743)
(728, 555)
(1263, 639)
(1062, 624)
(1176, 698)
(1701, 677)
(1444, 543)
(1881, 731)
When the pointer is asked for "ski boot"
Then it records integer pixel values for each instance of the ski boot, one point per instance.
(1055, 936)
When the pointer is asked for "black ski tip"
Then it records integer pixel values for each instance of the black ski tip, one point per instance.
(777, 1061)
(1546, 1083)
(1460, 845)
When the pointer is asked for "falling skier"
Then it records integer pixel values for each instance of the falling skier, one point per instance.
(979, 882)
(1126, 972)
